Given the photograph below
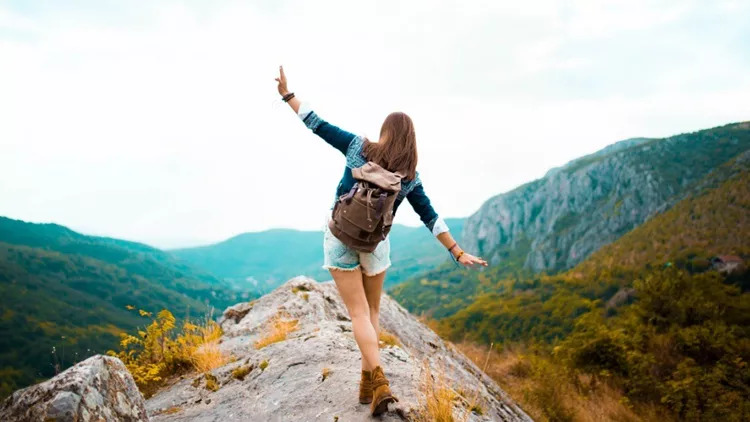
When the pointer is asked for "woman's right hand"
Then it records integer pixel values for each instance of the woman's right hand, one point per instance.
(470, 260)
(283, 90)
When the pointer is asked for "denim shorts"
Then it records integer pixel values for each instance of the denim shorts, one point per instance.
(338, 256)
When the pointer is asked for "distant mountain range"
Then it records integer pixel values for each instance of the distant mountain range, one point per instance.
(261, 261)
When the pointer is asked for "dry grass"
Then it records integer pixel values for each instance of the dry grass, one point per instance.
(172, 410)
(263, 365)
(548, 392)
(241, 372)
(326, 372)
(279, 330)
(304, 289)
(386, 339)
(437, 403)
(208, 357)
(300, 288)
(200, 343)
(212, 384)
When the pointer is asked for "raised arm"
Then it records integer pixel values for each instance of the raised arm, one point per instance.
(421, 204)
(336, 137)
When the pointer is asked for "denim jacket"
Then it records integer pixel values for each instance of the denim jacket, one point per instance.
(351, 146)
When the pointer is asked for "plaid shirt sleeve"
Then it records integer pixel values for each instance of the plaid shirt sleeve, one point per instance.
(333, 135)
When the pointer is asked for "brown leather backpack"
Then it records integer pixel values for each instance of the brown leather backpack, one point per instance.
(362, 218)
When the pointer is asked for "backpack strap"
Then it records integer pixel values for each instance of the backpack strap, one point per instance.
(379, 205)
(348, 197)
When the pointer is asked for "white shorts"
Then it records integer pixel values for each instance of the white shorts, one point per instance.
(338, 256)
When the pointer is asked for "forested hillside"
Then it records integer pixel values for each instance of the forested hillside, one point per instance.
(648, 315)
(66, 296)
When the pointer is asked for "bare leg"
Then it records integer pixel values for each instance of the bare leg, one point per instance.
(351, 289)
(373, 291)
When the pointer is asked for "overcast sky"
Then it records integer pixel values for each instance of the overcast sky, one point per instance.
(160, 121)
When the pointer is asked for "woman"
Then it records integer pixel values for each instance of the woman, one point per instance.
(359, 276)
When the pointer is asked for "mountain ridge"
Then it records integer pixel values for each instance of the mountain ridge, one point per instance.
(584, 175)
(555, 222)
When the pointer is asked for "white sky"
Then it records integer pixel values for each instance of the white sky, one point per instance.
(160, 121)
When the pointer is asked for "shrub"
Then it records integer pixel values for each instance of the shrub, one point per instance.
(159, 352)
(547, 390)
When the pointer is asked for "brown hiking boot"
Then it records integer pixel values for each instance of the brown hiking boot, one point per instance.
(365, 388)
(381, 393)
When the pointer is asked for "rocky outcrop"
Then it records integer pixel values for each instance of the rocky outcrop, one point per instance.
(555, 222)
(97, 389)
(313, 373)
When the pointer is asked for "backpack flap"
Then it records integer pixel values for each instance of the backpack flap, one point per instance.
(378, 176)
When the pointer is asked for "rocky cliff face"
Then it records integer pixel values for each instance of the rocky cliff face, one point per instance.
(313, 374)
(555, 222)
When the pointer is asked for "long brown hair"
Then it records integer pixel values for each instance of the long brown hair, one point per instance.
(397, 148)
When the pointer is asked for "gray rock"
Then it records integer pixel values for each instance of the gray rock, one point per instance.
(97, 389)
(292, 387)
(235, 313)
(63, 406)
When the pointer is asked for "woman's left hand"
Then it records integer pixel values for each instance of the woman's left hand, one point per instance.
(283, 90)
(470, 260)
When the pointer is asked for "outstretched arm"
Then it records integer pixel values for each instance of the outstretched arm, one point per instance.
(336, 137)
(421, 204)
